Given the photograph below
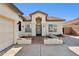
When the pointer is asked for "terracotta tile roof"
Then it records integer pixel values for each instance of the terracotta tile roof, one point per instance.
(28, 18)
(75, 21)
(55, 18)
(38, 12)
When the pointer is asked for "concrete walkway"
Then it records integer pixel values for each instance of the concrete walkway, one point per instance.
(77, 37)
(37, 40)
(47, 50)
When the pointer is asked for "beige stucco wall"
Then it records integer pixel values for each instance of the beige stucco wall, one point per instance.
(23, 28)
(9, 13)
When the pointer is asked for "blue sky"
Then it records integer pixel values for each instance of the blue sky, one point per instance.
(68, 11)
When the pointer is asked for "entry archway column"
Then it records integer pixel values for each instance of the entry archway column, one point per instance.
(43, 29)
(33, 27)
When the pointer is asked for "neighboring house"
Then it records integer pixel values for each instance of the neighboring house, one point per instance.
(10, 21)
(72, 27)
(39, 23)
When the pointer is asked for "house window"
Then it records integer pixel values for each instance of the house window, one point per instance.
(52, 27)
(27, 28)
(19, 26)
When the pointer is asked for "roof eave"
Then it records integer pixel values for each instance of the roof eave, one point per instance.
(38, 12)
(14, 8)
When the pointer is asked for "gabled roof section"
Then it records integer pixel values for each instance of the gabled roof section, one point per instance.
(38, 12)
(51, 18)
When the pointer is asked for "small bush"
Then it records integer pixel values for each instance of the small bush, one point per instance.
(59, 35)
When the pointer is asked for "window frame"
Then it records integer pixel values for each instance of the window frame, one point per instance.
(52, 27)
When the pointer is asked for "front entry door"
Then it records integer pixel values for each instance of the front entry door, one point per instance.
(38, 26)
(38, 30)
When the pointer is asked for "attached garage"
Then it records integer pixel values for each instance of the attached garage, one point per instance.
(10, 15)
(6, 33)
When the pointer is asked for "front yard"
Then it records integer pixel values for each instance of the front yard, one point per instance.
(47, 50)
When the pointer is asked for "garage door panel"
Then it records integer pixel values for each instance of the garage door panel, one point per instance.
(6, 36)
(6, 33)
(1, 47)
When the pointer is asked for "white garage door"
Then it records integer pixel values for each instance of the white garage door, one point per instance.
(6, 33)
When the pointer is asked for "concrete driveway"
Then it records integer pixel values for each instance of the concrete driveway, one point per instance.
(47, 50)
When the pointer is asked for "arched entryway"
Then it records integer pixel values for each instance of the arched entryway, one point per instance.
(38, 39)
(38, 26)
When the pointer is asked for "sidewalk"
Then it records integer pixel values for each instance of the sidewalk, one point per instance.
(77, 37)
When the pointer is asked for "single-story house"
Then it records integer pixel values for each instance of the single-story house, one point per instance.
(39, 23)
(10, 24)
(72, 27)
